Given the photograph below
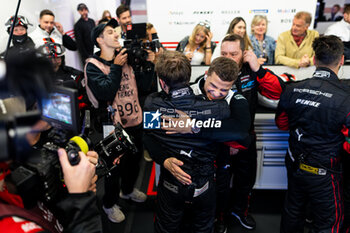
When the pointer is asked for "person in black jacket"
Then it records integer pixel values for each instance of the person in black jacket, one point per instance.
(316, 112)
(20, 39)
(219, 87)
(112, 83)
(187, 161)
(82, 32)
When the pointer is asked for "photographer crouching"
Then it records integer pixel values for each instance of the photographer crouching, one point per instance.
(28, 78)
(112, 82)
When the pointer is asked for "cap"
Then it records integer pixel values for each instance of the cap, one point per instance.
(99, 29)
(82, 6)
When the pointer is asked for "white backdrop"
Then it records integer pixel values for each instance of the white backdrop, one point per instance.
(176, 19)
(172, 19)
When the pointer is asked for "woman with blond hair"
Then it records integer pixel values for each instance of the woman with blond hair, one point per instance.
(263, 46)
(198, 47)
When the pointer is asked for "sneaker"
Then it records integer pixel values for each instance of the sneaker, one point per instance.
(247, 222)
(220, 225)
(114, 214)
(136, 195)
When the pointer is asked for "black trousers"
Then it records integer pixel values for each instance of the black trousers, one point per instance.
(222, 179)
(322, 192)
(127, 171)
(172, 200)
(243, 167)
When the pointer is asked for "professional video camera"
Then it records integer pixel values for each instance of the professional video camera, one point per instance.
(40, 169)
(114, 145)
(136, 48)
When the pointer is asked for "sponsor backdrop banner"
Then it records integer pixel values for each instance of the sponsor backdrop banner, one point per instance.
(176, 19)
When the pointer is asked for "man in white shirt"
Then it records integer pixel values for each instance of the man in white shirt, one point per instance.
(341, 29)
(50, 31)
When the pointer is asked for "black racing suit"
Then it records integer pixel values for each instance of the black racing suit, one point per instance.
(197, 151)
(346, 175)
(243, 164)
(316, 112)
(241, 116)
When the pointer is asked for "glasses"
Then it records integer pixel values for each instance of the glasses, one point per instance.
(204, 24)
(21, 20)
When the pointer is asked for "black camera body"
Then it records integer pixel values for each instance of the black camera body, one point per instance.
(136, 48)
(137, 56)
(41, 170)
(110, 148)
(38, 168)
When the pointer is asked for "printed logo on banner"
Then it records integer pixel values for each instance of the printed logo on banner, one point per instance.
(285, 11)
(233, 12)
(182, 23)
(286, 21)
(203, 12)
(259, 11)
(151, 120)
(176, 12)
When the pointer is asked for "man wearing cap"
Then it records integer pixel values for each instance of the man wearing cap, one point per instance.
(82, 32)
(112, 83)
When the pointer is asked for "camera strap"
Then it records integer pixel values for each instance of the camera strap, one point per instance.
(37, 216)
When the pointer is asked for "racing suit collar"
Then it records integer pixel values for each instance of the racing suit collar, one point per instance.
(180, 91)
(324, 73)
(201, 84)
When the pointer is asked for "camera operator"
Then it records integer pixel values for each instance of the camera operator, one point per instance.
(77, 211)
(110, 81)
(79, 207)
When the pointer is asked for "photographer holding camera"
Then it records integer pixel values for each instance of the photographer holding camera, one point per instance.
(28, 76)
(111, 82)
